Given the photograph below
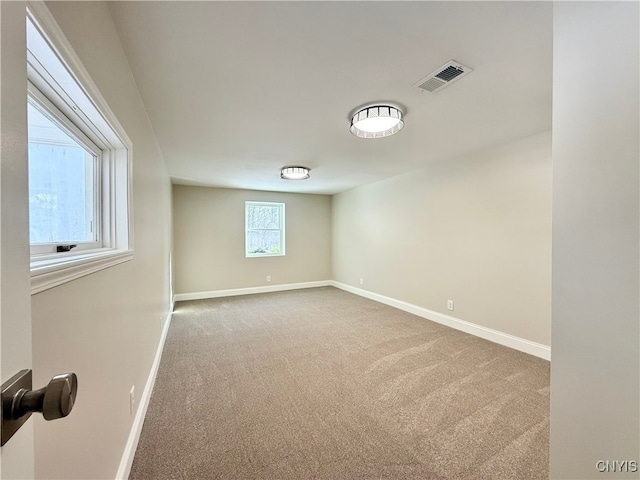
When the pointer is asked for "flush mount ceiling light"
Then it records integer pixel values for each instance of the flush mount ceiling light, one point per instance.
(376, 121)
(294, 173)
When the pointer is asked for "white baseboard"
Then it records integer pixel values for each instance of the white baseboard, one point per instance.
(495, 336)
(138, 421)
(511, 341)
(248, 291)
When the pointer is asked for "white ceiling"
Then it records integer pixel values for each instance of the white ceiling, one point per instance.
(236, 90)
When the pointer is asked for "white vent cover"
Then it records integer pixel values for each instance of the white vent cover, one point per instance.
(445, 75)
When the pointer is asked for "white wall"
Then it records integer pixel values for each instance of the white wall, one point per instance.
(209, 244)
(595, 372)
(14, 245)
(475, 229)
(105, 326)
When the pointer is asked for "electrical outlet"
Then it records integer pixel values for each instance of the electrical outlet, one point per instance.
(362, 281)
(132, 400)
(268, 278)
(450, 305)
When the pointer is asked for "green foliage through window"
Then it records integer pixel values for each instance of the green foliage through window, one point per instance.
(264, 234)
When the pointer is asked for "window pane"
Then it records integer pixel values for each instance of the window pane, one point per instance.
(263, 241)
(263, 216)
(60, 184)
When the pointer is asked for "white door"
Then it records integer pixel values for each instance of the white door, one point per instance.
(16, 456)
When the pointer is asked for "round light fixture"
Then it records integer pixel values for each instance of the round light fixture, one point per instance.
(376, 121)
(294, 173)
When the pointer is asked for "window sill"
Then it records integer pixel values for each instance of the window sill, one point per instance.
(51, 272)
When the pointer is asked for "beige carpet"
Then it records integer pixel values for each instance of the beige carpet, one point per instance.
(323, 384)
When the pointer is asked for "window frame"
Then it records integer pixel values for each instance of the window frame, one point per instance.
(46, 250)
(281, 229)
(55, 70)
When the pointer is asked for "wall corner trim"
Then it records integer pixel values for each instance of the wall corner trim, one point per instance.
(511, 341)
(136, 428)
(250, 290)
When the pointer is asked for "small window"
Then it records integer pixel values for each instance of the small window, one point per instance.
(264, 232)
(79, 163)
(64, 184)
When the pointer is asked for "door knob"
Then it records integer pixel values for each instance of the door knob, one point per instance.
(53, 401)
(19, 401)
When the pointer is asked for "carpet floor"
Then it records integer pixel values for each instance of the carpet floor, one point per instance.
(324, 384)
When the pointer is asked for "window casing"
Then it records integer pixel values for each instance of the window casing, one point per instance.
(61, 92)
(264, 229)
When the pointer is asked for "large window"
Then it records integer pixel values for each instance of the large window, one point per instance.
(264, 229)
(79, 163)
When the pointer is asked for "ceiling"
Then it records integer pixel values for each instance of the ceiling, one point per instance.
(236, 90)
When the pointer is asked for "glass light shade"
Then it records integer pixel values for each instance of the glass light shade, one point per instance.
(376, 121)
(294, 173)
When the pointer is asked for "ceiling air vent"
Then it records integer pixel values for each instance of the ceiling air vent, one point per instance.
(443, 76)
